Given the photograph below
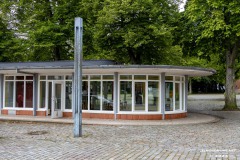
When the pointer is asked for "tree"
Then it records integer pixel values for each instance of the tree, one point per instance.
(47, 26)
(137, 32)
(7, 43)
(215, 30)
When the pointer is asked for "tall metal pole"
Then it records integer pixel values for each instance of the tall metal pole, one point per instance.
(163, 95)
(77, 86)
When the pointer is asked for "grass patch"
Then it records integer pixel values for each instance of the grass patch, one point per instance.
(227, 109)
(37, 132)
(230, 109)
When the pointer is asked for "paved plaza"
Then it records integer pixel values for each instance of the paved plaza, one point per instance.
(219, 139)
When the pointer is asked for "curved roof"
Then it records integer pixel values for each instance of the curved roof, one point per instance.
(100, 67)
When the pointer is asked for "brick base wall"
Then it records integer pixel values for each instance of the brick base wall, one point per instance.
(5, 112)
(41, 113)
(24, 112)
(105, 115)
(150, 116)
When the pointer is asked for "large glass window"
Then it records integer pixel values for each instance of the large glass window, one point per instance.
(42, 94)
(125, 96)
(45, 91)
(19, 91)
(101, 92)
(141, 90)
(177, 96)
(49, 97)
(97, 91)
(174, 93)
(29, 95)
(153, 96)
(9, 94)
(140, 96)
(183, 94)
(68, 95)
(95, 95)
(107, 100)
(169, 96)
(85, 95)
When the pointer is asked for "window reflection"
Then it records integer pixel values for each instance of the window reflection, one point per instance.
(95, 95)
(68, 95)
(125, 96)
(42, 94)
(140, 96)
(29, 95)
(153, 96)
(169, 96)
(19, 93)
(107, 100)
(84, 95)
(9, 94)
(177, 96)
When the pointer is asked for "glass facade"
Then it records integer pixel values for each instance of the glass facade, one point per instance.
(85, 95)
(125, 96)
(174, 93)
(95, 95)
(153, 96)
(9, 91)
(107, 100)
(177, 96)
(18, 91)
(42, 94)
(168, 96)
(140, 96)
(68, 95)
(29, 95)
(136, 93)
(139, 93)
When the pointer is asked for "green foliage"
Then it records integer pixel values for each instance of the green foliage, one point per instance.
(139, 32)
(8, 44)
(47, 26)
(214, 34)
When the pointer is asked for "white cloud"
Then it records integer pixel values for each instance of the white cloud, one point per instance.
(181, 6)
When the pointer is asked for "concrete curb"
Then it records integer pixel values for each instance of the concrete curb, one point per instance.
(193, 118)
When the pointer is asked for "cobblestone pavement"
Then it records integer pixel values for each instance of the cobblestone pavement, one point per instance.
(28, 140)
(219, 140)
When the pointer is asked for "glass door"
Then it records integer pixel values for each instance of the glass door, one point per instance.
(57, 99)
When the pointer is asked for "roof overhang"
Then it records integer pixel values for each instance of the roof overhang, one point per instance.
(106, 69)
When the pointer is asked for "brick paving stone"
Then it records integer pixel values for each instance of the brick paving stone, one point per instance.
(191, 141)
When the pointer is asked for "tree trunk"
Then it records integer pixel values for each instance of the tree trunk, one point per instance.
(230, 95)
(135, 59)
(56, 52)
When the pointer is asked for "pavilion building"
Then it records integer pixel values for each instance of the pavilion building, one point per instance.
(109, 90)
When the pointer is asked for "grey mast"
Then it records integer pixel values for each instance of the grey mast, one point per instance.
(77, 86)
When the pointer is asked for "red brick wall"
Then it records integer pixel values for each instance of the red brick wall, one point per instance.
(41, 113)
(4, 112)
(150, 116)
(24, 112)
(106, 116)
(67, 114)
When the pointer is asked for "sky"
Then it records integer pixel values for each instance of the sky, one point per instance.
(181, 7)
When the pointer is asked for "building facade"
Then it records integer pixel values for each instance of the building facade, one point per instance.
(109, 90)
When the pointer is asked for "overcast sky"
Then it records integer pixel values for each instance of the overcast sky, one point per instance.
(181, 7)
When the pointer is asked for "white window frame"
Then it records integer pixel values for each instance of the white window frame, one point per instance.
(146, 93)
(182, 91)
(14, 91)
